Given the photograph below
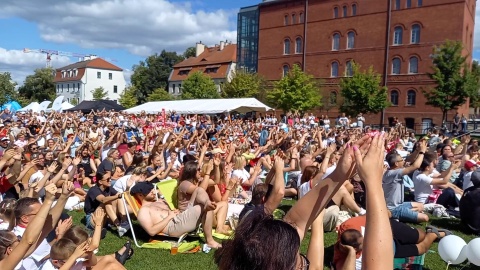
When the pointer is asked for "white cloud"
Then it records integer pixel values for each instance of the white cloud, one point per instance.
(21, 64)
(140, 26)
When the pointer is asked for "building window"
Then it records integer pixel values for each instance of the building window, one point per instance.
(286, 46)
(397, 4)
(349, 69)
(350, 40)
(333, 98)
(415, 39)
(73, 88)
(62, 88)
(285, 20)
(334, 69)
(397, 35)
(409, 4)
(173, 88)
(344, 11)
(294, 18)
(99, 75)
(419, 3)
(302, 18)
(298, 45)
(336, 42)
(396, 66)
(286, 69)
(78, 87)
(68, 87)
(394, 97)
(413, 65)
(411, 97)
(335, 12)
(115, 89)
(110, 76)
(58, 88)
(354, 9)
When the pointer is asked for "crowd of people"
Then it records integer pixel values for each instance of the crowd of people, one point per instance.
(232, 174)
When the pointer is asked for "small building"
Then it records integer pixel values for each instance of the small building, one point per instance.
(77, 81)
(217, 62)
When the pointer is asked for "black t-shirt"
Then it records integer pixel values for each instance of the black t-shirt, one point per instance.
(86, 165)
(91, 203)
(470, 209)
(249, 208)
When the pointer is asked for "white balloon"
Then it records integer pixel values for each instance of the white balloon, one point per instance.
(473, 251)
(450, 249)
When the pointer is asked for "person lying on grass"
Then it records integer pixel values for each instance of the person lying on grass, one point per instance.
(261, 242)
(156, 217)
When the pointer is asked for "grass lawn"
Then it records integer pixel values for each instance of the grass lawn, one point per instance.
(149, 259)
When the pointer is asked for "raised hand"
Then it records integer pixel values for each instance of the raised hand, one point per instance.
(67, 188)
(66, 163)
(63, 226)
(9, 154)
(279, 164)
(77, 160)
(98, 216)
(370, 167)
(50, 191)
(52, 167)
(81, 250)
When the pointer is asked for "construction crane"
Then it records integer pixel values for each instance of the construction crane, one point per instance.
(49, 54)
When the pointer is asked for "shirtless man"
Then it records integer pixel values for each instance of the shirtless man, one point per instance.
(156, 217)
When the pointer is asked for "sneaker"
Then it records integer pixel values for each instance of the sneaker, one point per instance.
(123, 228)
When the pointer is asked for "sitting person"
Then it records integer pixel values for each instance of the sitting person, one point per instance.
(470, 205)
(408, 241)
(156, 217)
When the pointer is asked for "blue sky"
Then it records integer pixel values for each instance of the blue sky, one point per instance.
(122, 30)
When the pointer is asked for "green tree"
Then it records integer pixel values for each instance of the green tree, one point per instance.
(362, 92)
(74, 101)
(475, 99)
(242, 85)
(7, 88)
(99, 93)
(296, 91)
(199, 86)
(153, 73)
(39, 86)
(160, 94)
(190, 52)
(454, 80)
(128, 98)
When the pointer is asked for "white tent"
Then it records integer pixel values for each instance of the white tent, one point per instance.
(203, 106)
(34, 106)
(64, 106)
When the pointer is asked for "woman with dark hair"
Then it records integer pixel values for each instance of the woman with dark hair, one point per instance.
(188, 183)
(261, 242)
(137, 161)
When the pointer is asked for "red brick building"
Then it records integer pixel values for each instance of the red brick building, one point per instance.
(396, 38)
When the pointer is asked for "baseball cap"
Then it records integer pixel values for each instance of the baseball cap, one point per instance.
(5, 139)
(469, 164)
(141, 187)
(217, 151)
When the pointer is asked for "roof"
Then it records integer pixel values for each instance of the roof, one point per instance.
(211, 58)
(81, 66)
(89, 105)
(93, 63)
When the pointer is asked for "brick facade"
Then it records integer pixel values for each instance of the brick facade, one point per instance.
(367, 21)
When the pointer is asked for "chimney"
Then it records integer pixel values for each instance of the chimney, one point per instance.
(199, 49)
(222, 45)
(93, 56)
(86, 58)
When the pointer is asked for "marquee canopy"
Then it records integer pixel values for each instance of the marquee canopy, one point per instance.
(203, 106)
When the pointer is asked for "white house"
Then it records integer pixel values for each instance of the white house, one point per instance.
(77, 81)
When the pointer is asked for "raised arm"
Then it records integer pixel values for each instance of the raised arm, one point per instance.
(278, 191)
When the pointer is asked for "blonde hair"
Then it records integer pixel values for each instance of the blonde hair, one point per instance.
(238, 162)
(62, 249)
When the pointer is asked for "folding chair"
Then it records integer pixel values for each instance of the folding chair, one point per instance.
(128, 199)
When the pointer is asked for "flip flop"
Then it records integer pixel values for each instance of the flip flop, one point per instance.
(437, 231)
(126, 254)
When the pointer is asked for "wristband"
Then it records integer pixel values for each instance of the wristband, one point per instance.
(421, 153)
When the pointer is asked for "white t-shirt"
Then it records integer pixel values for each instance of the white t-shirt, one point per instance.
(34, 261)
(467, 182)
(329, 171)
(304, 189)
(121, 183)
(423, 188)
(77, 266)
(241, 174)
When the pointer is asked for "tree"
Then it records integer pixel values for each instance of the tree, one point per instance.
(39, 86)
(153, 73)
(99, 93)
(199, 86)
(362, 92)
(7, 88)
(295, 91)
(128, 98)
(159, 95)
(74, 101)
(190, 52)
(455, 82)
(242, 85)
(475, 99)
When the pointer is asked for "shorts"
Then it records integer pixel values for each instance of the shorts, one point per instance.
(89, 221)
(185, 222)
(404, 213)
(405, 238)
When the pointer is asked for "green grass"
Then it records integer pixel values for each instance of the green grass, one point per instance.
(149, 259)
